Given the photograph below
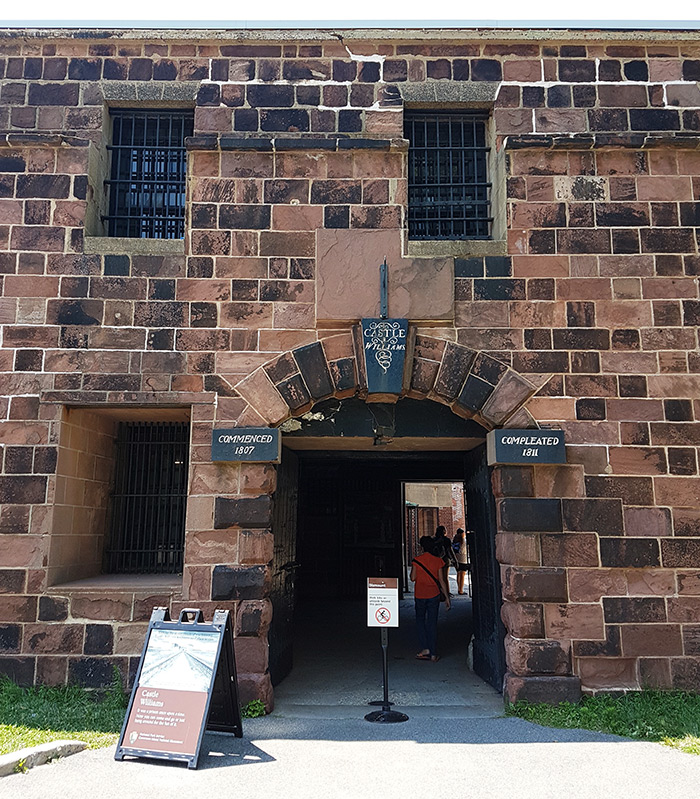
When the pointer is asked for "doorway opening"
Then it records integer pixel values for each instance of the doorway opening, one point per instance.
(340, 517)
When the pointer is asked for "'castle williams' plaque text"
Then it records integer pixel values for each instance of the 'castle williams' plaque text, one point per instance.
(257, 444)
(384, 345)
(525, 446)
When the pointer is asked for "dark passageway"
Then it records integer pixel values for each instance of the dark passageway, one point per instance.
(338, 663)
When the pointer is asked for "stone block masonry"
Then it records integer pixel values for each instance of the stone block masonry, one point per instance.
(580, 313)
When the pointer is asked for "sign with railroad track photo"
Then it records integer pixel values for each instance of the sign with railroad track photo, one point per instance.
(184, 666)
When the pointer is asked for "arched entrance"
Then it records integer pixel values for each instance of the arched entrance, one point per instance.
(473, 387)
(338, 518)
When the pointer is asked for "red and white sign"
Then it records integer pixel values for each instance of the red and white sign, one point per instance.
(382, 602)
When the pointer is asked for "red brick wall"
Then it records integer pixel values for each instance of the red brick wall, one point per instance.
(592, 305)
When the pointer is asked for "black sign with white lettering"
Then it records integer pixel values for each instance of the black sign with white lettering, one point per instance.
(525, 446)
(384, 345)
(257, 444)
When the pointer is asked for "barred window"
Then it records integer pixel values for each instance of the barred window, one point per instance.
(148, 171)
(146, 532)
(448, 182)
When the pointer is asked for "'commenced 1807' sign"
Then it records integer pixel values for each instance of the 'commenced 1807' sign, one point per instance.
(259, 444)
(525, 446)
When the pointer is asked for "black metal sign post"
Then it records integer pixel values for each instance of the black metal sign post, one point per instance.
(383, 612)
(386, 715)
(185, 683)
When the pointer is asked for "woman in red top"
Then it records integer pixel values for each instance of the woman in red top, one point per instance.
(427, 572)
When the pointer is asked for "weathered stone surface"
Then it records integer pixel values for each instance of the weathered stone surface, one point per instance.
(685, 673)
(551, 690)
(651, 639)
(565, 622)
(602, 516)
(51, 638)
(212, 546)
(513, 481)
(529, 515)
(570, 549)
(534, 585)
(19, 669)
(263, 397)
(634, 609)
(528, 657)
(99, 607)
(610, 673)
(242, 512)
(634, 552)
(511, 392)
(256, 547)
(251, 655)
(99, 639)
(518, 549)
(348, 278)
(236, 582)
(456, 362)
(93, 672)
(256, 686)
(523, 619)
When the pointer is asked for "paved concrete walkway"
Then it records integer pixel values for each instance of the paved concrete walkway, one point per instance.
(446, 758)
(316, 745)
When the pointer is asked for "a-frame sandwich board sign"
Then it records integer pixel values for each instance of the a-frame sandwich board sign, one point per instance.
(185, 683)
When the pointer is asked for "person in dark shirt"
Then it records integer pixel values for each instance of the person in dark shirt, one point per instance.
(442, 547)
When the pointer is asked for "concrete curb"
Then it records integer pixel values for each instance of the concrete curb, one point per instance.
(38, 755)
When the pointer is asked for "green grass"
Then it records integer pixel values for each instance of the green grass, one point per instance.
(31, 716)
(669, 717)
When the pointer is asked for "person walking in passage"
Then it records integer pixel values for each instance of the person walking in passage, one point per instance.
(442, 547)
(459, 546)
(427, 572)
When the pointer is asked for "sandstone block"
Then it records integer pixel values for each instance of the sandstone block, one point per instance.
(581, 622)
(523, 619)
(549, 689)
(236, 582)
(608, 673)
(528, 657)
(534, 585)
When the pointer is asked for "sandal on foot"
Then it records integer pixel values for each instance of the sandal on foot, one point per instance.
(435, 658)
(422, 657)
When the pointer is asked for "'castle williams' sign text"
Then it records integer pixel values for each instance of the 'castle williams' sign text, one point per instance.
(384, 345)
(525, 446)
(260, 444)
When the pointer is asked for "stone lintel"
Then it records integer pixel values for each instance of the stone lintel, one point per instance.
(593, 141)
(286, 143)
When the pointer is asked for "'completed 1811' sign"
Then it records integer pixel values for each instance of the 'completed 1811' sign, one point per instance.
(525, 446)
(258, 444)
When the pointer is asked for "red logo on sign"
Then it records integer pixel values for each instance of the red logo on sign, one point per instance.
(383, 616)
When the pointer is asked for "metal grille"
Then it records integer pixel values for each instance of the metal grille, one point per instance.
(448, 187)
(147, 512)
(147, 184)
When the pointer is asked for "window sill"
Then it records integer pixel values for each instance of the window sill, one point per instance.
(126, 583)
(470, 248)
(106, 245)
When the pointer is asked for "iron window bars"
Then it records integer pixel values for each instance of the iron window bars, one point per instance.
(448, 186)
(147, 183)
(147, 508)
